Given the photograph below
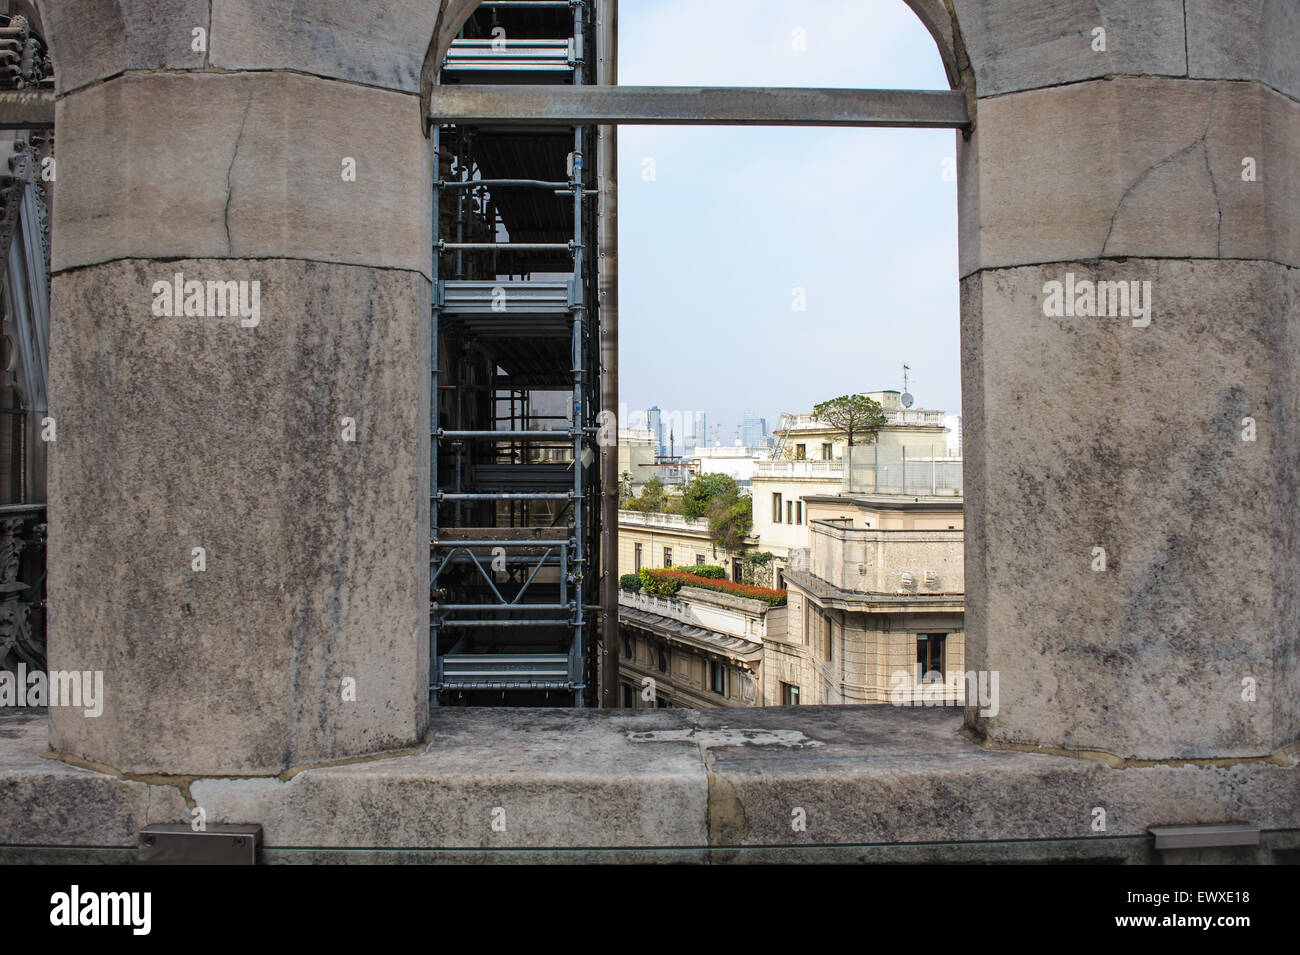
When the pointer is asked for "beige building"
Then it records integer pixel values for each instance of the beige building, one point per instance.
(636, 455)
(670, 540)
(875, 613)
(700, 648)
(910, 453)
(876, 604)
(922, 431)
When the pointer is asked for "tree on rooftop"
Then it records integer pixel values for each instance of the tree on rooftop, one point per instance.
(651, 498)
(856, 415)
(703, 489)
(730, 519)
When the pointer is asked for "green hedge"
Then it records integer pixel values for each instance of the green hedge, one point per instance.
(666, 583)
(708, 571)
(630, 582)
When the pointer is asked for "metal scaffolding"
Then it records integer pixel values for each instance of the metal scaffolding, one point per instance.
(515, 516)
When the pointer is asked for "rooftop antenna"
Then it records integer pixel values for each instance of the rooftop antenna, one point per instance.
(906, 398)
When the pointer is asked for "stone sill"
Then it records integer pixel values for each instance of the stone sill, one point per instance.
(682, 781)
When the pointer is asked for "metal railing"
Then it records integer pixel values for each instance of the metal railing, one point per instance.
(891, 471)
(798, 468)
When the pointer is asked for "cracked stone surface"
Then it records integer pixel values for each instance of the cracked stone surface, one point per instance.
(532, 778)
(94, 39)
(179, 432)
(47, 802)
(1245, 40)
(379, 44)
(1132, 167)
(245, 166)
(1090, 433)
(1017, 46)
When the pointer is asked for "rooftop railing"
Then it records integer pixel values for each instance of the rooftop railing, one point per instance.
(829, 470)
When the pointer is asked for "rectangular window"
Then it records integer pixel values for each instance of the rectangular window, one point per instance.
(637, 569)
(798, 512)
(776, 508)
(800, 452)
(668, 556)
(627, 645)
(663, 659)
(828, 452)
(699, 560)
(629, 697)
(830, 639)
(789, 694)
(929, 657)
(718, 678)
(789, 512)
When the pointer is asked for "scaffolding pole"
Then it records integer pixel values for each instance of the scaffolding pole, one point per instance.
(607, 278)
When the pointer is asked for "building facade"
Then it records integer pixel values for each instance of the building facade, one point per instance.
(911, 453)
(876, 604)
(700, 648)
(656, 541)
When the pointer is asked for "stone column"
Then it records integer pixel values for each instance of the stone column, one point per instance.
(238, 499)
(1132, 568)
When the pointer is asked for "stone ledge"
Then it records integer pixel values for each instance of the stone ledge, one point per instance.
(1169, 187)
(669, 779)
(50, 803)
(242, 166)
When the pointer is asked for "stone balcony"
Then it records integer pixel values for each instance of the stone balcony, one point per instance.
(742, 617)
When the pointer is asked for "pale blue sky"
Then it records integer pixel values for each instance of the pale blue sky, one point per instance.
(863, 220)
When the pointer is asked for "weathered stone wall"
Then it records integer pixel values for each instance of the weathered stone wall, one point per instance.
(227, 432)
(1171, 157)
(1126, 162)
(875, 561)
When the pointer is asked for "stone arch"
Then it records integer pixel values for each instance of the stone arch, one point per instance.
(933, 14)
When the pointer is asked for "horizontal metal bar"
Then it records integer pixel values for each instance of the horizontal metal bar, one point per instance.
(503, 623)
(539, 685)
(508, 435)
(502, 659)
(505, 43)
(469, 183)
(529, 561)
(509, 246)
(504, 496)
(26, 110)
(698, 106)
(503, 606)
(500, 543)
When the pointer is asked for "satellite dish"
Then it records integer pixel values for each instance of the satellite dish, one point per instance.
(907, 400)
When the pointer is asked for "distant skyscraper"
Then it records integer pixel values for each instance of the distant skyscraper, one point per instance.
(656, 426)
(701, 430)
(753, 431)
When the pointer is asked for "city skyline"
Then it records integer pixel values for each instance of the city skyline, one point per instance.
(834, 260)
